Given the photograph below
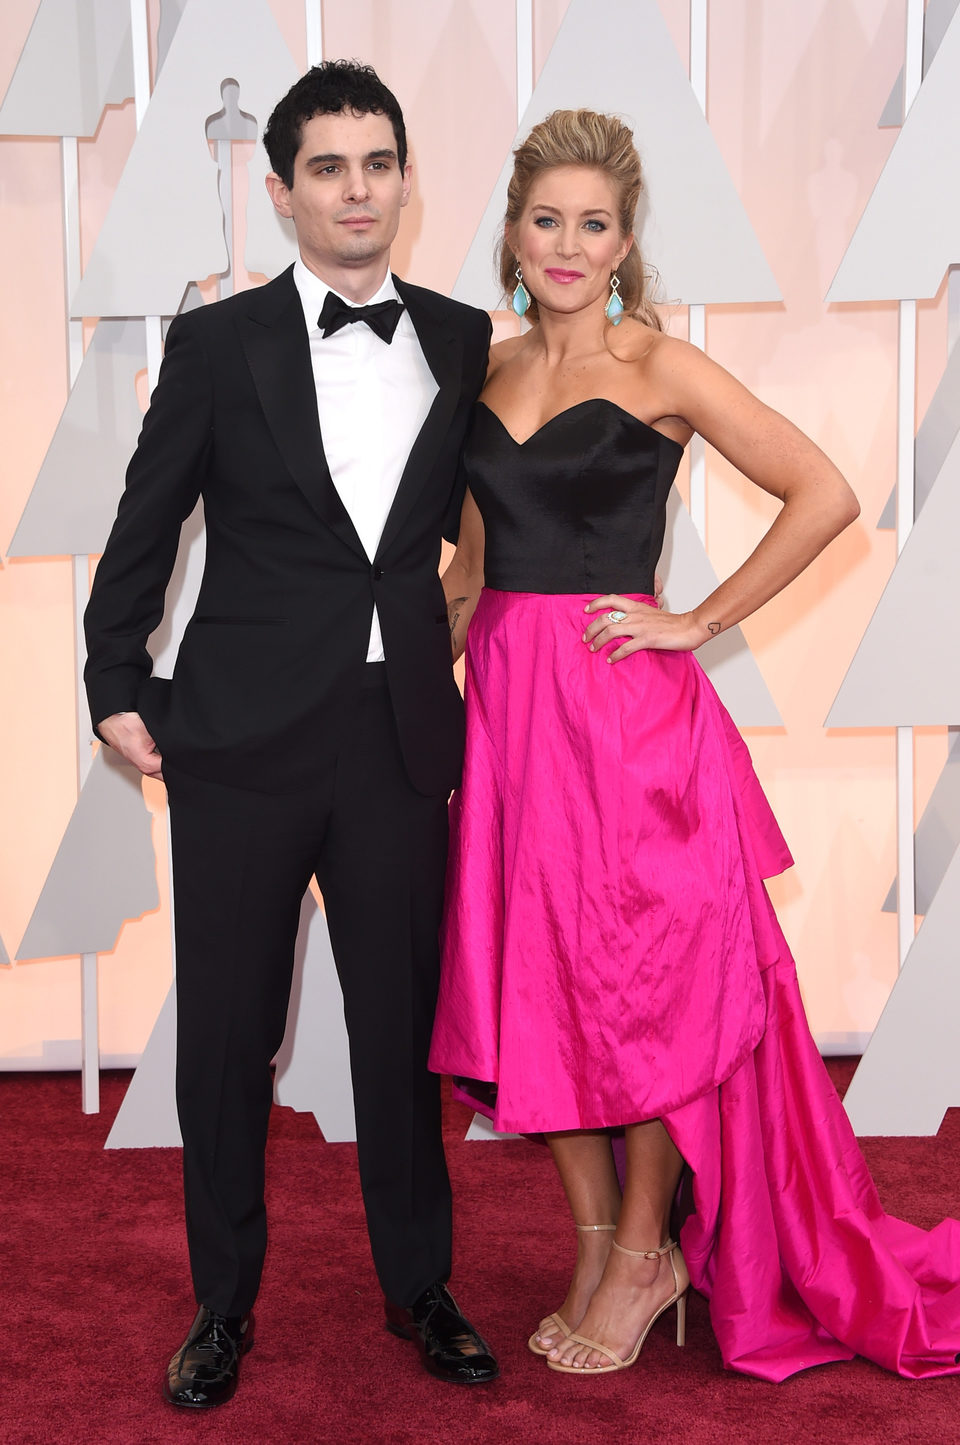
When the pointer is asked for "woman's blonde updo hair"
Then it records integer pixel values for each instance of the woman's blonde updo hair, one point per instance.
(602, 143)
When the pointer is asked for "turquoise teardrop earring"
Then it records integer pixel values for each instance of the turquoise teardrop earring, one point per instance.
(613, 310)
(521, 296)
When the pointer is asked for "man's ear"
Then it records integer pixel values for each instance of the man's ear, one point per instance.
(279, 194)
(407, 183)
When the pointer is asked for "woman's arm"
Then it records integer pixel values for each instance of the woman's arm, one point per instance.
(773, 454)
(463, 579)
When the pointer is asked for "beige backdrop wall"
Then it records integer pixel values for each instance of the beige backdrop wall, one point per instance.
(795, 90)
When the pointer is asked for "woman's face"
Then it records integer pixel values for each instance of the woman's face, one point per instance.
(568, 238)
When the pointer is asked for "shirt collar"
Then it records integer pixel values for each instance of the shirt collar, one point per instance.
(313, 292)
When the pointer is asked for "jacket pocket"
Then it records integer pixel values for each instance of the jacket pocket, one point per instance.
(242, 621)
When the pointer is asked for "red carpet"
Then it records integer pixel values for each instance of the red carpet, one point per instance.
(96, 1296)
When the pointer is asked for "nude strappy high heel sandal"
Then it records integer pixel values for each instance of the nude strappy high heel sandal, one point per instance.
(678, 1298)
(534, 1343)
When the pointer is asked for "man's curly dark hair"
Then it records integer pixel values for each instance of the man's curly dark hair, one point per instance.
(328, 89)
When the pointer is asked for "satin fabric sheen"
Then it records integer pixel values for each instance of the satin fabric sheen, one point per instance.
(589, 510)
(610, 954)
(603, 881)
(788, 1239)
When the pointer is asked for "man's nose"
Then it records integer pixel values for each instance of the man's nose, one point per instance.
(356, 187)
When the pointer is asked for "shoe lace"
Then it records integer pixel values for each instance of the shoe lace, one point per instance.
(217, 1341)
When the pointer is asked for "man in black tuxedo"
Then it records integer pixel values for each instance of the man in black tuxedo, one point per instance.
(312, 723)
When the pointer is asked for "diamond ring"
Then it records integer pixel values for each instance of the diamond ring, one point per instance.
(617, 616)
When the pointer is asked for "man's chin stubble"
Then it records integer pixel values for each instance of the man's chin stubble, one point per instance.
(359, 250)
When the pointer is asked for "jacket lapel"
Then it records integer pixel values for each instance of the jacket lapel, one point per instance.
(443, 350)
(275, 343)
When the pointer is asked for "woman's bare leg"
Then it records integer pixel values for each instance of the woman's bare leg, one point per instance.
(632, 1290)
(584, 1161)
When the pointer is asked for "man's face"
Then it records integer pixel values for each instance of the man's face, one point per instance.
(347, 191)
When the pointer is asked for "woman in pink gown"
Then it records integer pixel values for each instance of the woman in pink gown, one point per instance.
(611, 960)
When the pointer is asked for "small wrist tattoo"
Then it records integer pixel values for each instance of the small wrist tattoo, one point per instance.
(713, 628)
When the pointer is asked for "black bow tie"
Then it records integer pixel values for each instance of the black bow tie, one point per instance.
(381, 318)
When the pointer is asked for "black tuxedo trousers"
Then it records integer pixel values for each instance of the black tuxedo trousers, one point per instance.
(286, 753)
(242, 861)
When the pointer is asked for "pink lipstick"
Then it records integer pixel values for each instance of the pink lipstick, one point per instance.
(563, 277)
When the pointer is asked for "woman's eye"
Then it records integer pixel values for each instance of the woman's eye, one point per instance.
(544, 221)
(596, 226)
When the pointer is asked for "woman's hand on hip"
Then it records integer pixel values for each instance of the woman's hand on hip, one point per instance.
(640, 627)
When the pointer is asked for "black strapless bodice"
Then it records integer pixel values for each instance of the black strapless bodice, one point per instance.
(580, 506)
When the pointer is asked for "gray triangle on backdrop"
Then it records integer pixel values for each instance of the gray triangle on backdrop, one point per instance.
(938, 833)
(900, 675)
(192, 300)
(936, 19)
(909, 1074)
(4, 956)
(104, 872)
(620, 57)
(147, 1118)
(76, 60)
(688, 577)
(164, 227)
(887, 521)
(909, 233)
(73, 502)
(313, 1064)
(935, 436)
(171, 13)
(481, 1128)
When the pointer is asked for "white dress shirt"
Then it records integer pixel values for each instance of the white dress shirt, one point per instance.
(372, 400)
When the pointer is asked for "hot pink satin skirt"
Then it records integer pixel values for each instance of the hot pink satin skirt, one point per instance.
(610, 955)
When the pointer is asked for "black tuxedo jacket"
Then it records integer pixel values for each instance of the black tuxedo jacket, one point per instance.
(273, 656)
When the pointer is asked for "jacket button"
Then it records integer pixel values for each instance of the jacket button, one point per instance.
(377, 573)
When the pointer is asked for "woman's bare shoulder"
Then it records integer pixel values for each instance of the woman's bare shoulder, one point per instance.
(657, 368)
(635, 341)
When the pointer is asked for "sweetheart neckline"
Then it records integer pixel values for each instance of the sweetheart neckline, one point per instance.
(589, 401)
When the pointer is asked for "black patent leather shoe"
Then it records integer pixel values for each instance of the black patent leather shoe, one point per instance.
(203, 1372)
(449, 1346)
